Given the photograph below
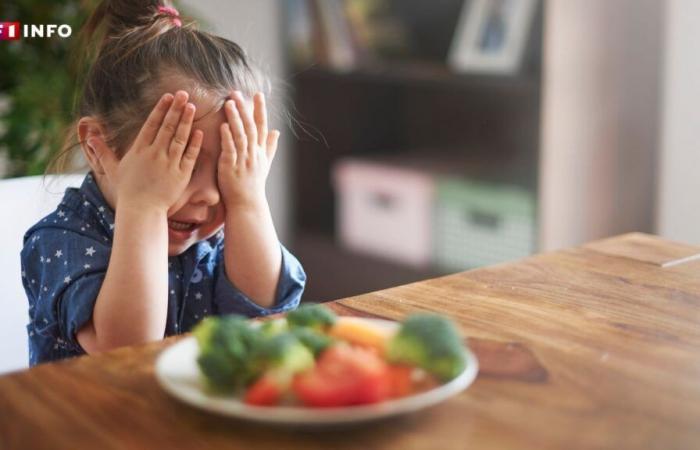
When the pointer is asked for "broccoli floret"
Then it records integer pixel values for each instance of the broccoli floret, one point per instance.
(283, 353)
(274, 327)
(430, 342)
(204, 329)
(314, 340)
(311, 316)
(226, 345)
(218, 370)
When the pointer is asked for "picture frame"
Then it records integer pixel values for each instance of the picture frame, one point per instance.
(491, 36)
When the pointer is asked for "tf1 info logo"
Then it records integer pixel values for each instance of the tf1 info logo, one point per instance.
(12, 31)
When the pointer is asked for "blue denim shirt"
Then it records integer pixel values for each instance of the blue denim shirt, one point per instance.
(65, 258)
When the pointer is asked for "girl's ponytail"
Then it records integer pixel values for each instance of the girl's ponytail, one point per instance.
(113, 19)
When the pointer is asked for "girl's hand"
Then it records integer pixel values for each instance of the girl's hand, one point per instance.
(156, 169)
(247, 151)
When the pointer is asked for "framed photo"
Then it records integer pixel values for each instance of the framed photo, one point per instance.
(491, 35)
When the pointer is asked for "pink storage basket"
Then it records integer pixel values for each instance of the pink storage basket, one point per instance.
(385, 210)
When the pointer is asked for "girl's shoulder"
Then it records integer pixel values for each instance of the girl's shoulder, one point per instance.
(70, 242)
(82, 213)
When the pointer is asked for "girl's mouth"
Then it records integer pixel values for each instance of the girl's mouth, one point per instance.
(181, 230)
(181, 226)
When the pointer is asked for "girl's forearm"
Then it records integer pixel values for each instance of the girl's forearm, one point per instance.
(252, 253)
(132, 304)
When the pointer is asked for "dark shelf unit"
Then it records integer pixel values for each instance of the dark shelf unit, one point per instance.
(484, 126)
(327, 264)
(424, 74)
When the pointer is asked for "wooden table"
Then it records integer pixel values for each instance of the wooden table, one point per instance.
(591, 347)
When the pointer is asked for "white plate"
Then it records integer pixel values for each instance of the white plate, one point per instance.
(178, 373)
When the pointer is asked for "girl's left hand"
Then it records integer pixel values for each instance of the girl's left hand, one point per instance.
(247, 151)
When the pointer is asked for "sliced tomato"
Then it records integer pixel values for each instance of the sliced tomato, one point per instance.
(401, 381)
(316, 389)
(344, 375)
(266, 391)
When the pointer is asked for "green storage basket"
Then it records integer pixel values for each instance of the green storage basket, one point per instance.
(478, 224)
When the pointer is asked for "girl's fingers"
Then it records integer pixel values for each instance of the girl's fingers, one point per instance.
(271, 145)
(189, 158)
(108, 160)
(248, 124)
(171, 121)
(239, 137)
(182, 135)
(228, 149)
(150, 128)
(260, 115)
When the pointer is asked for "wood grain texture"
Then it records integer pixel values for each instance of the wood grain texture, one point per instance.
(596, 347)
(643, 247)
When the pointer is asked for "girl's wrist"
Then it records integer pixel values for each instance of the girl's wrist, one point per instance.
(141, 211)
(141, 206)
(250, 206)
(253, 203)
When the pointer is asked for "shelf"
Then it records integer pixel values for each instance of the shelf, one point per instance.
(472, 164)
(411, 74)
(334, 273)
(485, 127)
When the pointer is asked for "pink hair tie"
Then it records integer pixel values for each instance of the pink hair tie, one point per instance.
(172, 12)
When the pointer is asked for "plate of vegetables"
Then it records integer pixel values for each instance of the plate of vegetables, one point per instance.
(313, 368)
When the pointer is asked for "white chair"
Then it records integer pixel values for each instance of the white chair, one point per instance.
(23, 201)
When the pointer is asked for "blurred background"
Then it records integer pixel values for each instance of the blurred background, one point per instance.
(427, 136)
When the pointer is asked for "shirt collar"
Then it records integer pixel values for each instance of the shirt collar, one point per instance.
(93, 197)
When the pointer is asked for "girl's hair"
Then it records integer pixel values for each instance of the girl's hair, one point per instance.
(134, 47)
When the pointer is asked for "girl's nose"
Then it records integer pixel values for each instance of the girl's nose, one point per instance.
(205, 192)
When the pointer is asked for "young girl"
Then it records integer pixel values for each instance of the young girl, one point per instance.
(173, 125)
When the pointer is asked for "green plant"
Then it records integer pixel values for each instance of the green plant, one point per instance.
(38, 83)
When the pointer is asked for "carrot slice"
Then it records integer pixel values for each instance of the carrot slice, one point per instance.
(361, 332)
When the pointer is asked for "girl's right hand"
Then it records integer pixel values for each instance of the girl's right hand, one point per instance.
(156, 169)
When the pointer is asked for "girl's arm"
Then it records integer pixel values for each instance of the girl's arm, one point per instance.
(252, 251)
(132, 304)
